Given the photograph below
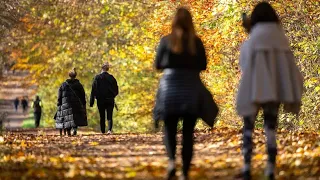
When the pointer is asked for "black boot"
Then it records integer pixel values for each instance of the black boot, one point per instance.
(74, 133)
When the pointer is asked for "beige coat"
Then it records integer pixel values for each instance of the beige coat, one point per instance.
(269, 71)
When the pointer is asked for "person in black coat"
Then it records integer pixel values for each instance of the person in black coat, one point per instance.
(37, 110)
(24, 103)
(104, 89)
(71, 105)
(16, 103)
(181, 56)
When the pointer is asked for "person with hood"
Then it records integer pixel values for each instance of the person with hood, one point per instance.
(269, 77)
(71, 105)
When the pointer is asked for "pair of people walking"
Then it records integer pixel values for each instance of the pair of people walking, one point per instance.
(71, 104)
(269, 78)
(24, 103)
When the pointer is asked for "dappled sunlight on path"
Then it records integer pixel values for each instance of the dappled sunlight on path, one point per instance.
(42, 153)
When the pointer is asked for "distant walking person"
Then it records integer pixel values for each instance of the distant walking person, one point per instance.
(37, 110)
(16, 103)
(71, 105)
(181, 55)
(269, 78)
(24, 103)
(104, 89)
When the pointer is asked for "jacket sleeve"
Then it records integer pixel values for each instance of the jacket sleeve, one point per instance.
(116, 87)
(59, 97)
(82, 95)
(93, 92)
(202, 56)
(159, 55)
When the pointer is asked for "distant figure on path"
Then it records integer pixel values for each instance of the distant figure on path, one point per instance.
(16, 103)
(71, 105)
(270, 77)
(24, 103)
(104, 89)
(181, 55)
(37, 110)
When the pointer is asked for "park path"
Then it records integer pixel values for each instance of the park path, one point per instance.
(42, 154)
(14, 85)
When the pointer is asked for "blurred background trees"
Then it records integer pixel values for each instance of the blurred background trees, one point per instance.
(49, 37)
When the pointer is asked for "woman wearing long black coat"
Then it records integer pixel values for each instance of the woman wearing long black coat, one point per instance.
(181, 56)
(71, 105)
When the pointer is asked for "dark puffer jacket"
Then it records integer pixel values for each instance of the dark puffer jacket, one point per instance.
(71, 113)
(180, 87)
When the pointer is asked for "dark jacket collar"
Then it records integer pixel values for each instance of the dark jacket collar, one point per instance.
(72, 81)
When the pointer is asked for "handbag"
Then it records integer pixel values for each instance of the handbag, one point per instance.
(209, 109)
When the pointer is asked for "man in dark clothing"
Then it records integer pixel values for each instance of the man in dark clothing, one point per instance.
(104, 89)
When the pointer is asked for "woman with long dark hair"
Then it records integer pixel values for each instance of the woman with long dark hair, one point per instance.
(181, 56)
(269, 78)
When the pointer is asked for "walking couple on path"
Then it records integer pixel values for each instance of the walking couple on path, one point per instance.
(71, 104)
(269, 77)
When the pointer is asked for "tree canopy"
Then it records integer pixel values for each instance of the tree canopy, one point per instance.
(54, 36)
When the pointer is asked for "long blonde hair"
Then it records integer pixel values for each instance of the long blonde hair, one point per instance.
(183, 29)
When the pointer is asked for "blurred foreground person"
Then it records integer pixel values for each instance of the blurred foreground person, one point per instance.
(71, 105)
(269, 78)
(37, 110)
(104, 89)
(181, 56)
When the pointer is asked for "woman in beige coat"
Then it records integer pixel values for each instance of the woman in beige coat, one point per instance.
(269, 78)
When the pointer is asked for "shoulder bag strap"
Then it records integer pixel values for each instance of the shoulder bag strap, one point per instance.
(75, 94)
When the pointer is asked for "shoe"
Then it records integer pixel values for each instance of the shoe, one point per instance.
(74, 132)
(171, 171)
(109, 132)
(183, 177)
(271, 177)
(171, 174)
(246, 175)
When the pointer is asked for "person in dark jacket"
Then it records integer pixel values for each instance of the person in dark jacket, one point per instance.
(71, 105)
(24, 103)
(16, 103)
(104, 89)
(181, 56)
(37, 110)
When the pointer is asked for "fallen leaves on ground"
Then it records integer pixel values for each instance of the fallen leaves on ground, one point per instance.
(142, 156)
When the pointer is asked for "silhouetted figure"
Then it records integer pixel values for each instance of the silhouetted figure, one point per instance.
(104, 89)
(71, 105)
(181, 55)
(37, 110)
(24, 103)
(16, 103)
(269, 78)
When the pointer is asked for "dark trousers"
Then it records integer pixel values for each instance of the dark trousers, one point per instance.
(270, 113)
(170, 141)
(37, 117)
(16, 107)
(104, 106)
